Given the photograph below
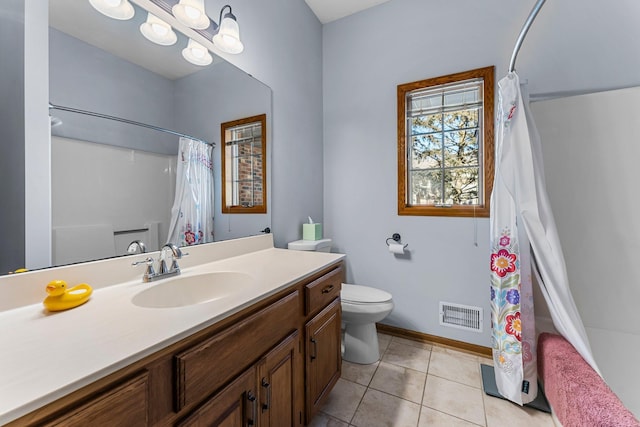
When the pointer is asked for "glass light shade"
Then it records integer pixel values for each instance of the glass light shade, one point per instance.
(191, 13)
(158, 31)
(197, 54)
(228, 37)
(116, 9)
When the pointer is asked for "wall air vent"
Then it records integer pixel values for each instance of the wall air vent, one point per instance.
(461, 316)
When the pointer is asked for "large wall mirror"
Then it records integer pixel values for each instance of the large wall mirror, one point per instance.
(112, 182)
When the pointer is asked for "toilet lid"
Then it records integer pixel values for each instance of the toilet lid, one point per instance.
(363, 294)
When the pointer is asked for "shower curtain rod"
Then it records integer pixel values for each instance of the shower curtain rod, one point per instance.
(523, 33)
(131, 122)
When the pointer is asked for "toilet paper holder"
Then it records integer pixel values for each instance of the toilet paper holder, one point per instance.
(396, 238)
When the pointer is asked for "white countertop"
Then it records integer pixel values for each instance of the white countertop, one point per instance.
(45, 356)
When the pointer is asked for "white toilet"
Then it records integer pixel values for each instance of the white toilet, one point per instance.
(362, 307)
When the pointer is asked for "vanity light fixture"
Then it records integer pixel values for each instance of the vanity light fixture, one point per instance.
(191, 13)
(196, 53)
(227, 35)
(158, 31)
(116, 9)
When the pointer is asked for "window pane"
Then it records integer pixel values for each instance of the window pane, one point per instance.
(461, 148)
(426, 151)
(462, 96)
(461, 186)
(257, 192)
(425, 187)
(426, 124)
(461, 119)
(425, 102)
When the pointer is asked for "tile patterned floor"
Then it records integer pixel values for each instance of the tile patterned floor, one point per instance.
(417, 385)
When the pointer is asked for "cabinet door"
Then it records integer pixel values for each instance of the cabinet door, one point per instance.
(235, 406)
(323, 358)
(124, 405)
(280, 378)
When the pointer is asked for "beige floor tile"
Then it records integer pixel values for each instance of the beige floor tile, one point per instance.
(399, 381)
(500, 413)
(383, 342)
(413, 343)
(455, 353)
(324, 420)
(455, 399)
(357, 373)
(432, 418)
(407, 356)
(379, 409)
(453, 366)
(343, 400)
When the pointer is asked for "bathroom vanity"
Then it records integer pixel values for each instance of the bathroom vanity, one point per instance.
(264, 354)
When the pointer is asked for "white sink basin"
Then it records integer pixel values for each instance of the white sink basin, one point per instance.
(183, 291)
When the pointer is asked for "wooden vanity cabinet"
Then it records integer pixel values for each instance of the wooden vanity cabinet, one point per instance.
(125, 405)
(271, 364)
(323, 362)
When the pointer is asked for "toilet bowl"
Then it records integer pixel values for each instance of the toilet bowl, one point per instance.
(362, 307)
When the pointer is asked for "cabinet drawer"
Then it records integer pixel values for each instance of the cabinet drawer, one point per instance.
(124, 405)
(207, 366)
(323, 290)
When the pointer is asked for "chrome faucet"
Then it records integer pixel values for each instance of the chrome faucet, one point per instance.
(176, 254)
(150, 274)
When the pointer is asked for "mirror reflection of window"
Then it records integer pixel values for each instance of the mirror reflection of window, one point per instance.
(244, 165)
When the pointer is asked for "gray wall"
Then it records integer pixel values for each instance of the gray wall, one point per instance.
(12, 188)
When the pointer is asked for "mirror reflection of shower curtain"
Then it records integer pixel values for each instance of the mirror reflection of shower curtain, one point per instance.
(524, 238)
(192, 211)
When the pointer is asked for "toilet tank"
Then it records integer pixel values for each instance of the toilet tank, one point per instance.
(323, 245)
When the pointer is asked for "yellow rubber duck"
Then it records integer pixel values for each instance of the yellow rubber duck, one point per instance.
(60, 298)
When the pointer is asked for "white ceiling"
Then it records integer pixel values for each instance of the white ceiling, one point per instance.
(330, 10)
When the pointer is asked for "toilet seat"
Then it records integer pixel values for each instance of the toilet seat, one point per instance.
(357, 294)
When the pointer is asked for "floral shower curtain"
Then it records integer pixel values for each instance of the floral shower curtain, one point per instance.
(192, 211)
(524, 237)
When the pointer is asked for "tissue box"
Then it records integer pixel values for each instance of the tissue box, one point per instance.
(311, 231)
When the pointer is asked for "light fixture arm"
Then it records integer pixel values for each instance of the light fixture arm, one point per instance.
(216, 26)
